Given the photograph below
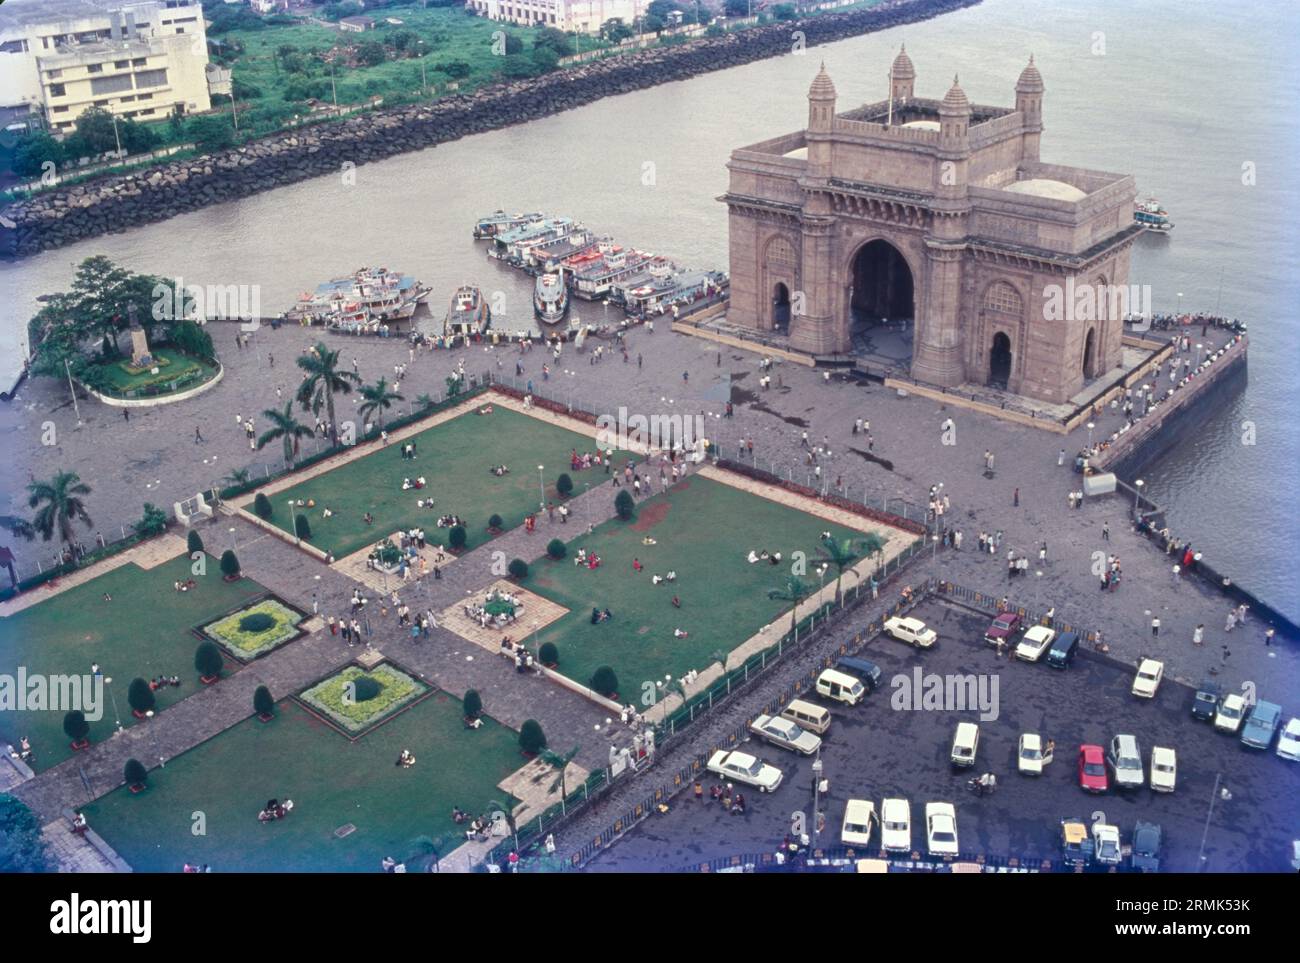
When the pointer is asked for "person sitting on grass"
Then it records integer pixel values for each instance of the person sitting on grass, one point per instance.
(406, 484)
(458, 815)
(680, 634)
(671, 576)
(636, 565)
(369, 519)
(327, 513)
(406, 759)
(648, 541)
(656, 579)
(79, 822)
(752, 557)
(581, 557)
(775, 558)
(677, 603)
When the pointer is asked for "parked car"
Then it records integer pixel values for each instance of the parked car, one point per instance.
(1126, 762)
(1076, 844)
(895, 826)
(864, 669)
(1261, 724)
(742, 767)
(859, 820)
(786, 734)
(1288, 743)
(1227, 718)
(1063, 650)
(1147, 680)
(841, 687)
(1092, 769)
(1106, 848)
(1034, 643)
(1032, 754)
(941, 829)
(1206, 702)
(965, 741)
(1002, 628)
(910, 630)
(1164, 769)
(1146, 847)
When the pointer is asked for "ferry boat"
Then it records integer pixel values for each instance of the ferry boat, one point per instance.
(663, 291)
(513, 246)
(1151, 215)
(550, 298)
(594, 277)
(551, 255)
(499, 221)
(362, 303)
(469, 313)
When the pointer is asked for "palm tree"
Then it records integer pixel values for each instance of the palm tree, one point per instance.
(240, 476)
(560, 762)
(323, 378)
(284, 425)
(844, 552)
(795, 590)
(378, 399)
(58, 505)
(427, 850)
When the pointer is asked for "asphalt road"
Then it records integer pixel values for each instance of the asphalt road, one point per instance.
(875, 750)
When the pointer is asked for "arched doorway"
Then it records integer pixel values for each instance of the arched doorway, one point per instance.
(781, 308)
(1000, 361)
(882, 285)
(1090, 354)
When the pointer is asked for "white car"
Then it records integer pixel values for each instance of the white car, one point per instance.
(941, 829)
(1230, 713)
(912, 631)
(1036, 640)
(1032, 755)
(786, 734)
(1164, 769)
(895, 826)
(1148, 677)
(1288, 742)
(859, 820)
(1105, 844)
(742, 767)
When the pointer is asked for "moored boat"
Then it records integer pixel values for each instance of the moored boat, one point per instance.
(550, 298)
(1151, 215)
(499, 221)
(366, 302)
(468, 314)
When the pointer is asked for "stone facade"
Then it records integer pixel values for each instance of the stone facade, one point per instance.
(937, 212)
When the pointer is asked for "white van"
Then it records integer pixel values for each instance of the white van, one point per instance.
(840, 687)
(964, 743)
(807, 716)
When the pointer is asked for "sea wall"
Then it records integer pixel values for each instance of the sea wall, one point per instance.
(106, 205)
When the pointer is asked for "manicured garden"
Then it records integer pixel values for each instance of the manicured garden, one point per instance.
(704, 531)
(255, 629)
(333, 782)
(357, 700)
(141, 630)
(455, 459)
(172, 368)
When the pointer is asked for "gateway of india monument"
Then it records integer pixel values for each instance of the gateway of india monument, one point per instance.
(934, 218)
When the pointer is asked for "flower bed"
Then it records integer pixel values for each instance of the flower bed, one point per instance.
(240, 633)
(332, 698)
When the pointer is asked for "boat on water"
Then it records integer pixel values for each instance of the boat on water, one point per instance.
(594, 276)
(550, 298)
(1152, 216)
(499, 221)
(365, 302)
(513, 246)
(469, 313)
(664, 291)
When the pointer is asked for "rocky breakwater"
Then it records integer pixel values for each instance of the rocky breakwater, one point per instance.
(106, 205)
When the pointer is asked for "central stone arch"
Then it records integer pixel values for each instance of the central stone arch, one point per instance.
(883, 287)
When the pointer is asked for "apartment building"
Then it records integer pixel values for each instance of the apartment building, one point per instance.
(572, 16)
(134, 58)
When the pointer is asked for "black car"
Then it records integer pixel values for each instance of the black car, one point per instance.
(1206, 702)
(864, 669)
(1146, 847)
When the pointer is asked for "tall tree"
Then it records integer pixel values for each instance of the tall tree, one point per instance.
(844, 552)
(322, 379)
(794, 590)
(58, 504)
(376, 399)
(284, 426)
(560, 762)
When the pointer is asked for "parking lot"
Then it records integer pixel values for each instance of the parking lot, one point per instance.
(874, 750)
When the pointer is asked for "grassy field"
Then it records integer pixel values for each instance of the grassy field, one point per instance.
(454, 459)
(704, 530)
(143, 632)
(178, 366)
(332, 782)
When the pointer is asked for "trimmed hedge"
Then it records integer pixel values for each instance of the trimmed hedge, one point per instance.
(604, 681)
(531, 738)
(262, 506)
(207, 660)
(555, 549)
(473, 704)
(548, 654)
(139, 696)
(518, 568)
(623, 505)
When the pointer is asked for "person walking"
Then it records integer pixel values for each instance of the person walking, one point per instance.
(1105, 531)
(1231, 622)
(198, 435)
(1155, 626)
(1015, 499)
(1268, 636)
(1198, 635)
(1060, 457)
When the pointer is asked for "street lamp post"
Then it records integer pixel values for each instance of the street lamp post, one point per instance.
(75, 407)
(117, 716)
(541, 486)
(154, 732)
(1137, 494)
(1090, 427)
(817, 769)
(294, 522)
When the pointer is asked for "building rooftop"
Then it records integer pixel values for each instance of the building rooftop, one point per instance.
(1043, 187)
(24, 13)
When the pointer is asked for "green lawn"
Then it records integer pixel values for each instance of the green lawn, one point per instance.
(178, 366)
(332, 782)
(704, 530)
(454, 459)
(144, 631)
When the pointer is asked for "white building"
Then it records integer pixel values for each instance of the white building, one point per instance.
(571, 16)
(135, 58)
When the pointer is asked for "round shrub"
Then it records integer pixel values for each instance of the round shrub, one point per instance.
(473, 704)
(495, 523)
(564, 485)
(193, 542)
(263, 704)
(139, 696)
(135, 773)
(364, 688)
(301, 527)
(456, 537)
(229, 564)
(517, 568)
(555, 548)
(548, 654)
(262, 507)
(207, 660)
(624, 505)
(256, 622)
(604, 681)
(75, 725)
(531, 738)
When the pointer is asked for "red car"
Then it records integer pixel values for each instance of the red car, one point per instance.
(1003, 627)
(1092, 769)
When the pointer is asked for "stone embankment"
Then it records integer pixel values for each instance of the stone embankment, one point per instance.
(58, 217)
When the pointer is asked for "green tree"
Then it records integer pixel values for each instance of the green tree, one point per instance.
(153, 523)
(426, 852)
(651, 23)
(552, 39)
(785, 11)
(22, 849)
(604, 681)
(842, 553)
(75, 726)
(456, 69)
(211, 132)
(564, 485)
(548, 654)
(555, 548)
(189, 337)
(473, 704)
(738, 8)
(376, 399)
(229, 565)
(323, 379)
(518, 569)
(140, 697)
(371, 53)
(623, 504)
(559, 761)
(262, 506)
(135, 773)
(614, 30)
(193, 543)
(35, 151)
(207, 660)
(263, 703)
(456, 537)
(302, 527)
(794, 591)
(286, 428)
(58, 503)
(531, 738)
